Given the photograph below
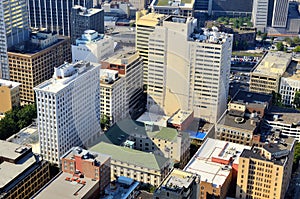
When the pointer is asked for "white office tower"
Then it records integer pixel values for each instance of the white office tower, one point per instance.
(280, 13)
(68, 109)
(92, 47)
(260, 14)
(188, 71)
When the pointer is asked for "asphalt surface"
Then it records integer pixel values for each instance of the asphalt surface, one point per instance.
(238, 81)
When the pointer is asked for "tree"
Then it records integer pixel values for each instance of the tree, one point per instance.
(264, 36)
(276, 99)
(104, 121)
(289, 41)
(296, 101)
(296, 156)
(280, 46)
(259, 33)
(296, 40)
(297, 49)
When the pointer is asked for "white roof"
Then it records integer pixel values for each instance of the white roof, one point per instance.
(211, 171)
(9, 83)
(152, 118)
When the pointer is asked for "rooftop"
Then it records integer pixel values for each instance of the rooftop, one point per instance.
(62, 186)
(246, 97)
(174, 3)
(179, 117)
(293, 71)
(91, 36)
(121, 188)
(131, 156)
(86, 12)
(212, 36)
(66, 74)
(123, 58)
(150, 19)
(208, 162)
(283, 115)
(273, 64)
(9, 84)
(152, 118)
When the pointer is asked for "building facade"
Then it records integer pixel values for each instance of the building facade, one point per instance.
(14, 29)
(83, 19)
(9, 95)
(68, 109)
(92, 47)
(22, 172)
(203, 85)
(265, 172)
(280, 13)
(33, 62)
(54, 15)
(260, 14)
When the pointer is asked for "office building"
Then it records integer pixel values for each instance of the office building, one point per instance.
(217, 163)
(178, 184)
(181, 8)
(145, 24)
(92, 47)
(54, 15)
(231, 8)
(260, 14)
(68, 109)
(122, 86)
(280, 13)
(138, 4)
(9, 95)
(122, 188)
(203, 85)
(265, 77)
(241, 122)
(140, 166)
(14, 29)
(22, 172)
(164, 141)
(32, 62)
(83, 19)
(265, 172)
(290, 84)
(284, 121)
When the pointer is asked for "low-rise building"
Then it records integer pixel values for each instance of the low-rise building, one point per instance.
(265, 77)
(122, 188)
(164, 141)
(22, 172)
(265, 172)
(92, 47)
(140, 166)
(181, 120)
(216, 162)
(284, 121)
(178, 7)
(178, 184)
(9, 95)
(84, 174)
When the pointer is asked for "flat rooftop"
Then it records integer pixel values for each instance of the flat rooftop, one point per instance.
(87, 12)
(247, 97)
(205, 164)
(273, 64)
(293, 71)
(131, 156)
(119, 58)
(152, 118)
(180, 117)
(9, 84)
(211, 36)
(283, 115)
(59, 187)
(182, 3)
(22, 161)
(120, 190)
(150, 19)
(56, 84)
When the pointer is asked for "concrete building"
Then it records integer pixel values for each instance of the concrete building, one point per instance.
(14, 29)
(217, 163)
(92, 47)
(80, 162)
(241, 122)
(9, 95)
(33, 62)
(145, 24)
(122, 188)
(178, 184)
(164, 141)
(54, 15)
(122, 86)
(83, 19)
(260, 14)
(284, 121)
(178, 7)
(231, 8)
(265, 172)
(265, 77)
(280, 13)
(203, 85)
(140, 166)
(290, 84)
(138, 4)
(68, 109)
(22, 172)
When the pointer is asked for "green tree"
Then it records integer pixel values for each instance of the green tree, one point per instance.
(296, 40)
(289, 41)
(280, 46)
(259, 33)
(276, 99)
(264, 36)
(297, 49)
(296, 156)
(104, 121)
(296, 101)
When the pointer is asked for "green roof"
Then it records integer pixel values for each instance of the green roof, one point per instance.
(166, 2)
(166, 133)
(131, 156)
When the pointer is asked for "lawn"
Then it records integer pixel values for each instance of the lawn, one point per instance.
(243, 53)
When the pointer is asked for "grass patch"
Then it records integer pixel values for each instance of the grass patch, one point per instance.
(243, 53)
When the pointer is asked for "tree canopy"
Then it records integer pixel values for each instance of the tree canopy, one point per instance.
(296, 101)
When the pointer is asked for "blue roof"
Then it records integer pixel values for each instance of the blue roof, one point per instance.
(197, 135)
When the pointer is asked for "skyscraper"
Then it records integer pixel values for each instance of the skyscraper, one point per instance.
(83, 19)
(54, 15)
(13, 29)
(280, 13)
(68, 109)
(192, 74)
